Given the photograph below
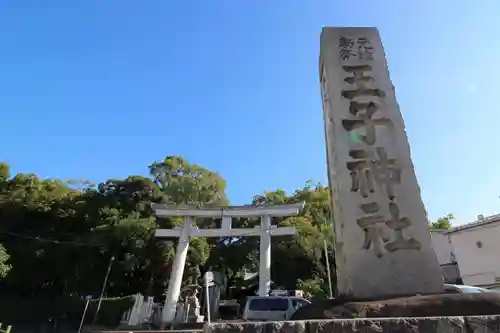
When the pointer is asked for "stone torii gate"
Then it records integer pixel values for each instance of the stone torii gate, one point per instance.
(188, 230)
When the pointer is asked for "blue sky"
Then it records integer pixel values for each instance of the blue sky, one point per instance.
(100, 89)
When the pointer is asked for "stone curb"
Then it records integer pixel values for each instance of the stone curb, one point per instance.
(476, 324)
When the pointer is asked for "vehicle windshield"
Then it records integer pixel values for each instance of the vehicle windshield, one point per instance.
(269, 304)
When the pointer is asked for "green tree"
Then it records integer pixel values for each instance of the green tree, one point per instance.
(314, 287)
(189, 184)
(306, 247)
(30, 209)
(67, 231)
(4, 258)
(443, 222)
(184, 183)
(4, 172)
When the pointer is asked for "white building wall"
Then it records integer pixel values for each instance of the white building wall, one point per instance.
(442, 246)
(477, 251)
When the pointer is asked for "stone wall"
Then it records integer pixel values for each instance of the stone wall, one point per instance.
(480, 324)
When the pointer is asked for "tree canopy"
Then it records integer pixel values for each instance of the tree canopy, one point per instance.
(57, 236)
(443, 222)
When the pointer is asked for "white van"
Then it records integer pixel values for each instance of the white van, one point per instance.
(271, 308)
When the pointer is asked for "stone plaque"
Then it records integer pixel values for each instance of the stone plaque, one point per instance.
(383, 245)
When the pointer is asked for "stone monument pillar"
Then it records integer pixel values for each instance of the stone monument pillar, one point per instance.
(382, 242)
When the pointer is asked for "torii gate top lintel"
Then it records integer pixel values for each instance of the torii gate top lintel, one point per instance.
(162, 210)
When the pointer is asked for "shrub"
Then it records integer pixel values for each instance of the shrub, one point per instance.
(66, 311)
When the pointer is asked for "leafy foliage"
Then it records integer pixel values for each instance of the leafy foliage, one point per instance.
(185, 183)
(58, 235)
(443, 222)
(315, 287)
(4, 267)
(65, 310)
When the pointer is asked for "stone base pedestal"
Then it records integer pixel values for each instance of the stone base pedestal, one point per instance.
(443, 305)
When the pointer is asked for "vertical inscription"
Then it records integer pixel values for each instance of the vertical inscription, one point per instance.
(370, 167)
(371, 224)
(367, 170)
(365, 49)
(355, 48)
(346, 46)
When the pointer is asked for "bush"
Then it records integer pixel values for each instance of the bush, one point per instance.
(111, 310)
(315, 287)
(66, 311)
